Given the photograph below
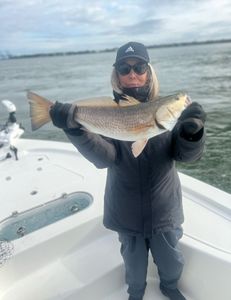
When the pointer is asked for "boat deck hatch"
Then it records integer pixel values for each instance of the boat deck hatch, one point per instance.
(20, 224)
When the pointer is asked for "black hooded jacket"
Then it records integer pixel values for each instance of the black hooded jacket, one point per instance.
(143, 194)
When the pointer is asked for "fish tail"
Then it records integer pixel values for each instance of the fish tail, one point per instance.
(39, 110)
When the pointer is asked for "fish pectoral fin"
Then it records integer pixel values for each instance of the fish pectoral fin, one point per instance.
(138, 147)
(128, 100)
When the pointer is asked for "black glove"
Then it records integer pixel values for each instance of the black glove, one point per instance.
(192, 122)
(59, 114)
(194, 110)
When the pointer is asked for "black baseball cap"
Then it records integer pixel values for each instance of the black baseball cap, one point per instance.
(132, 50)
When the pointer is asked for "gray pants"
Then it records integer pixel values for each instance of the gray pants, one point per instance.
(166, 255)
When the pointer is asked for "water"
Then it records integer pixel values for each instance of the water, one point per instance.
(204, 71)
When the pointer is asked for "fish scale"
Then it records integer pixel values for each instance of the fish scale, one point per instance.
(116, 121)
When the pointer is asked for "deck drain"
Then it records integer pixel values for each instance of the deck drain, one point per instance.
(21, 231)
(34, 193)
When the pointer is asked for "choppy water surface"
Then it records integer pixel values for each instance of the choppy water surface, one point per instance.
(203, 71)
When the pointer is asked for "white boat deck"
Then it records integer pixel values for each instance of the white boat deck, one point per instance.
(77, 258)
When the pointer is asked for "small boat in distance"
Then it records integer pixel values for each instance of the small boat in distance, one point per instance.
(53, 245)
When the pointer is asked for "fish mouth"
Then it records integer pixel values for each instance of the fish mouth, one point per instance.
(188, 101)
(171, 113)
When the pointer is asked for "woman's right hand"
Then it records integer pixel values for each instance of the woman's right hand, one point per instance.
(59, 114)
(62, 115)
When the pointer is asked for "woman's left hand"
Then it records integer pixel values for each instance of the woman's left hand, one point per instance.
(192, 122)
(194, 110)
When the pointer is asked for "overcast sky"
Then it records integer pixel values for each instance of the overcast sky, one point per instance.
(38, 26)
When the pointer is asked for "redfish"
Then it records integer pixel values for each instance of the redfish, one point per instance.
(129, 120)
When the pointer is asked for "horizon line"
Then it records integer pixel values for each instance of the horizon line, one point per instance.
(63, 53)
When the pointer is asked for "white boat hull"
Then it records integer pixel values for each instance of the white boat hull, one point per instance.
(77, 258)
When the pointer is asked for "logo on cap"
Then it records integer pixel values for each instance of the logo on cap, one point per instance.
(130, 49)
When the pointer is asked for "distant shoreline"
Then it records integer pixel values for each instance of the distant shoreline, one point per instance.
(68, 53)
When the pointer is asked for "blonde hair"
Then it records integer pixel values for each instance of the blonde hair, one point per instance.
(152, 82)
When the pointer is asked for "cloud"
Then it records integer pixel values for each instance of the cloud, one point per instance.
(29, 26)
(147, 26)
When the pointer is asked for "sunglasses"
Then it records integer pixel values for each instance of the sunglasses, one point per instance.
(124, 68)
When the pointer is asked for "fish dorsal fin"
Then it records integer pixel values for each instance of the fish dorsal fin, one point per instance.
(97, 101)
(128, 100)
(106, 102)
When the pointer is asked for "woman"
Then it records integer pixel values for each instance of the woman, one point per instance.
(143, 201)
